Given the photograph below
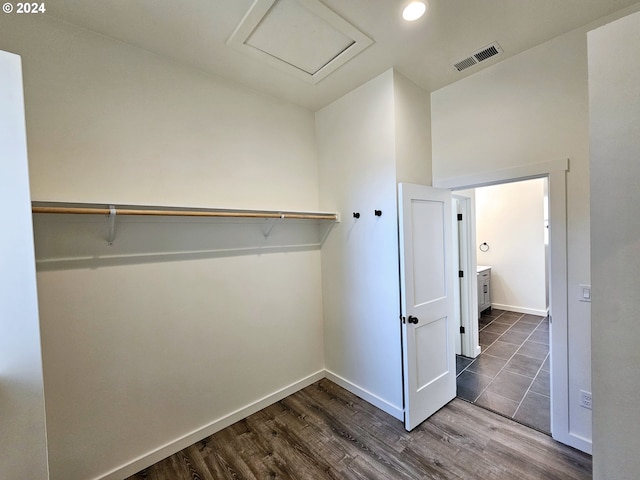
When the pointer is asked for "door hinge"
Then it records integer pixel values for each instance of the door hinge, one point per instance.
(402, 319)
(459, 217)
(460, 274)
(462, 330)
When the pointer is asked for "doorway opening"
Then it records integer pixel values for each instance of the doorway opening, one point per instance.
(504, 355)
(556, 173)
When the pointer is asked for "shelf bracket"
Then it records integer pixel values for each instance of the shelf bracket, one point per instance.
(268, 232)
(327, 231)
(112, 225)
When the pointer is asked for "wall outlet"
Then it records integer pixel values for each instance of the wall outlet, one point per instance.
(585, 399)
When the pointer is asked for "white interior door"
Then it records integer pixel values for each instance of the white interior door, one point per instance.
(427, 291)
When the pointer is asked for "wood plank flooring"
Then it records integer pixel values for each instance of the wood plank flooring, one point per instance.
(325, 432)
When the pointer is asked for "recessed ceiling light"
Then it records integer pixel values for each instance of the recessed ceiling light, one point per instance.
(414, 11)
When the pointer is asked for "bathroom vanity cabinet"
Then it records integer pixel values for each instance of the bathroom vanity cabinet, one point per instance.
(484, 288)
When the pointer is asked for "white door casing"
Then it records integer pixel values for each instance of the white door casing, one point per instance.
(458, 289)
(468, 291)
(556, 172)
(427, 296)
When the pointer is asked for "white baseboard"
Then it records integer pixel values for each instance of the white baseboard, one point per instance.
(576, 441)
(393, 410)
(513, 308)
(178, 444)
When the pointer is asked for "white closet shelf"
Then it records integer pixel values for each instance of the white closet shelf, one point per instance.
(92, 209)
(111, 211)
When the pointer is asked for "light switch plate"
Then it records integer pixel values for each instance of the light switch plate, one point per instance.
(585, 293)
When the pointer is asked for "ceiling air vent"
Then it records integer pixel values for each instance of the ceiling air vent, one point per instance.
(479, 56)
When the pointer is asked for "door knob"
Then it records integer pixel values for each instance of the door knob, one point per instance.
(413, 319)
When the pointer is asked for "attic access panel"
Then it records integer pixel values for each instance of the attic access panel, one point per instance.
(302, 37)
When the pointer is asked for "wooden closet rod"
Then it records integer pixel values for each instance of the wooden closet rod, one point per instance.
(181, 213)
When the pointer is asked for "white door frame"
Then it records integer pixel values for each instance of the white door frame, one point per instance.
(459, 289)
(467, 289)
(555, 171)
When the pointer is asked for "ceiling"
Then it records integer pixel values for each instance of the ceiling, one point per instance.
(196, 32)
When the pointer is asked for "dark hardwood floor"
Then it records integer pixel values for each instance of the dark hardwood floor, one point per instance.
(325, 432)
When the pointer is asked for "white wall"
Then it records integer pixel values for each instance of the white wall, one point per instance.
(529, 109)
(115, 123)
(412, 107)
(23, 452)
(154, 353)
(510, 219)
(356, 150)
(614, 94)
(364, 140)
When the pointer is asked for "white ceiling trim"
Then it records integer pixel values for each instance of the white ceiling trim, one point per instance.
(324, 18)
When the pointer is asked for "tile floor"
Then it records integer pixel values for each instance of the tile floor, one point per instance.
(511, 375)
